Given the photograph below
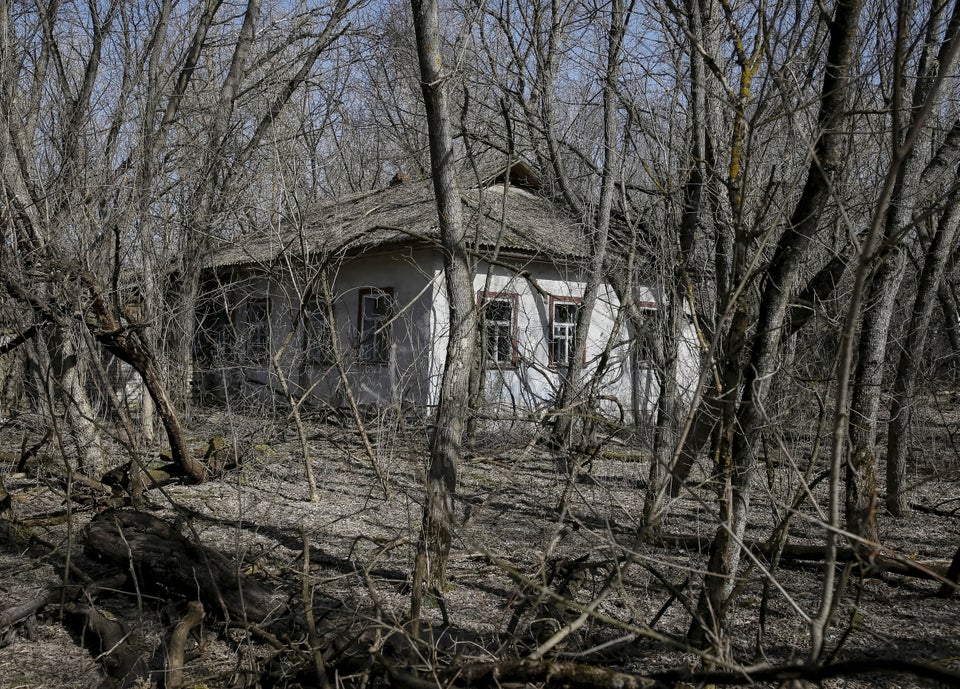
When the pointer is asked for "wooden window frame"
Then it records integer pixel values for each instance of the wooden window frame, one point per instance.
(383, 330)
(512, 298)
(552, 334)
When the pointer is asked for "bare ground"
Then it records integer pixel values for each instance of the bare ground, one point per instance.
(362, 547)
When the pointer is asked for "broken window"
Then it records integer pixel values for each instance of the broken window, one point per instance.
(376, 310)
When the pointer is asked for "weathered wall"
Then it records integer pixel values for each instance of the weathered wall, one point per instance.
(411, 374)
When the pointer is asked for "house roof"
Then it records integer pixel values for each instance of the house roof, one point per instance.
(406, 211)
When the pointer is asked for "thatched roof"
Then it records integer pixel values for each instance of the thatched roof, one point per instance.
(406, 212)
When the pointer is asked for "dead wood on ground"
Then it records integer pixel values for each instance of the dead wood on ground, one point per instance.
(178, 643)
(20, 611)
(109, 641)
(169, 563)
(880, 560)
(952, 578)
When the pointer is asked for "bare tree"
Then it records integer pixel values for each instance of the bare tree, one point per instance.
(447, 435)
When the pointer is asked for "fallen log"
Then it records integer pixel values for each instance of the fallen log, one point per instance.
(108, 640)
(54, 594)
(880, 560)
(167, 563)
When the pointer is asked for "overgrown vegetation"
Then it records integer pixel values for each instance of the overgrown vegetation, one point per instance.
(199, 484)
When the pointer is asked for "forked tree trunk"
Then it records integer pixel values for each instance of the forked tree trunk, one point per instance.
(735, 447)
(885, 282)
(447, 436)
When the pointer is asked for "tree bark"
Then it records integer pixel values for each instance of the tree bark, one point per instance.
(735, 449)
(452, 408)
(888, 275)
(571, 387)
(901, 406)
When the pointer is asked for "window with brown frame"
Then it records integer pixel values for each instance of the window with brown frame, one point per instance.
(498, 328)
(564, 312)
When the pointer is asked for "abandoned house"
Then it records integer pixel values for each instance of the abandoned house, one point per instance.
(350, 300)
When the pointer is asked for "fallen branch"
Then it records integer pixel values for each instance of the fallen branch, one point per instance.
(549, 673)
(952, 578)
(882, 560)
(54, 594)
(178, 643)
(107, 639)
(575, 676)
(817, 673)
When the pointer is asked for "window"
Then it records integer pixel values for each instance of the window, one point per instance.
(376, 310)
(318, 335)
(563, 326)
(498, 328)
(257, 330)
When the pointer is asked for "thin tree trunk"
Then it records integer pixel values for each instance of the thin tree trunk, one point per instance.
(884, 285)
(901, 407)
(447, 435)
(571, 387)
(79, 411)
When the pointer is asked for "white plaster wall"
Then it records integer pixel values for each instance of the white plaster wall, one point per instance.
(420, 333)
(403, 378)
(400, 380)
(532, 386)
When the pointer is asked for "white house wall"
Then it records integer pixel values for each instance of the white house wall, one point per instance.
(532, 384)
(400, 378)
(419, 329)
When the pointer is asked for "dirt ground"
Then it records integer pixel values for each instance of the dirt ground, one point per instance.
(362, 546)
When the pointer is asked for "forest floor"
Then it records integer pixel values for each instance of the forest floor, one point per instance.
(363, 542)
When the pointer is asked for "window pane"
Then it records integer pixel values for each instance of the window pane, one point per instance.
(564, 326)
(497, 330)
(499, 310)
(374, 327)
(565, 312)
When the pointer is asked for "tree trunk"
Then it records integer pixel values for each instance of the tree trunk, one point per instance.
(571, 387)
(888, 275)
(901, 407)
(865, 402)
(81, 417)
(735, 447)
(453, 406)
